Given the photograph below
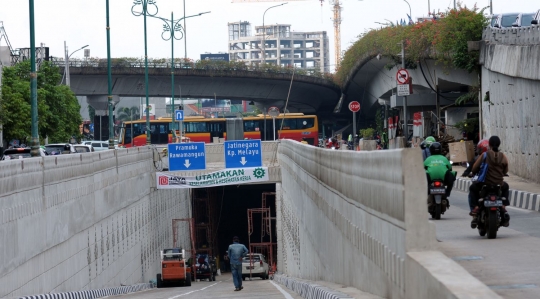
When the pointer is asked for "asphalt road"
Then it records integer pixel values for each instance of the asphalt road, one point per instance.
(509, 264)
(223, 287)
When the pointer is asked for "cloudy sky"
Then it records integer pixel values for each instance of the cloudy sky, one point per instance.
(82, 23)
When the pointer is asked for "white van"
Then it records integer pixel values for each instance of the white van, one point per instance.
(97, 145)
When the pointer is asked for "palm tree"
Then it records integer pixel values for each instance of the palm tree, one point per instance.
(128, 113)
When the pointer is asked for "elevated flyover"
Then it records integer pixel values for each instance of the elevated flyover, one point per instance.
(308, 94)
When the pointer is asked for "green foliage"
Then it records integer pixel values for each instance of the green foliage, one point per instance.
(367, 134)
(128, 113)
(58, 109)
(379, 119)
(444, 39)
(468, 125)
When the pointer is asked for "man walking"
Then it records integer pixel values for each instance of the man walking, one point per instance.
(236, 252)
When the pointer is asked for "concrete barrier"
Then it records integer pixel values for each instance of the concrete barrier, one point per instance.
(83, 221)
(354, 218)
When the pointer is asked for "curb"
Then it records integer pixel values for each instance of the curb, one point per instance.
(309, 290)
(518, 199)
(91, 294)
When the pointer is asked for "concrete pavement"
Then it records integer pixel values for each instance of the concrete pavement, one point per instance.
(509, 264)
(221, 288)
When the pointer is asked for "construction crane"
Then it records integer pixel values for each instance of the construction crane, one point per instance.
(337, 22)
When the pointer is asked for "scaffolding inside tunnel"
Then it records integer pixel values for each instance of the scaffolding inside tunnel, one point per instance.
(266, 246)
(204, 215)
(182, 241)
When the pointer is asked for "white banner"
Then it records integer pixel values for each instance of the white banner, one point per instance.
(233, 176)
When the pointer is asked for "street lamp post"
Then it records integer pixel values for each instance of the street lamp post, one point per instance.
(66, 63)
(33, 86)
(410, 11)
(145, 13)
(169, 33)
(109, 83)
(264, 31)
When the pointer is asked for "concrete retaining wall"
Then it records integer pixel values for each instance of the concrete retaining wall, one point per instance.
(512, 114)
(83, 221)
(353, 218)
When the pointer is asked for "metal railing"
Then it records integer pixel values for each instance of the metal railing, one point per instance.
(529, 35)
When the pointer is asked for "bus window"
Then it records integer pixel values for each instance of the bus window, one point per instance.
(195, 127)
(252, 126)
(132, 131)
(306, 123)
(289, 124)
(159, 133)
(216, 127)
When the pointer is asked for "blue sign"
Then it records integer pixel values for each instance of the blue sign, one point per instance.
(187, 156)
(179, 115)
(243, 153)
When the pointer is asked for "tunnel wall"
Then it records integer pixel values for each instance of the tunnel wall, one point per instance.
(512, 114)
(83, 221)
(356, 218)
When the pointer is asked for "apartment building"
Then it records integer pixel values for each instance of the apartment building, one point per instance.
(306, 50)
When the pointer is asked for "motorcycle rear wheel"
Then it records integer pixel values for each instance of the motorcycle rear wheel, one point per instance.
(492, 226)
(437, 212)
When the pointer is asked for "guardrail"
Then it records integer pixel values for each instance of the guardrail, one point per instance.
(513, 36)
(231, 66)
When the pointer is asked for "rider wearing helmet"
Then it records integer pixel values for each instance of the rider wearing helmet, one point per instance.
(481, 148)
(439, 168)
(497, 167)
(425, 147)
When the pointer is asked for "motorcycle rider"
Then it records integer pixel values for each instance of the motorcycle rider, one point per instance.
(439, 168)
(497, 166)
(426, 145)
(481, 148)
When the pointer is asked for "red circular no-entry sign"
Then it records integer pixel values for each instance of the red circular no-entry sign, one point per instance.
(402, 76)
(354, 106)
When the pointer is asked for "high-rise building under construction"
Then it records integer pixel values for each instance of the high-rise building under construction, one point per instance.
(306, 50)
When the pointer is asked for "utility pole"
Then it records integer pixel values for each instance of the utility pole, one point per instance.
(33, 86)
(109, 82)
(406, 127)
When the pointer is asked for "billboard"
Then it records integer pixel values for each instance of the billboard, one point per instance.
(217, 57)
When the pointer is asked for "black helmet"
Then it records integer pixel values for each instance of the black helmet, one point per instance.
(423, 145)
(435, 148)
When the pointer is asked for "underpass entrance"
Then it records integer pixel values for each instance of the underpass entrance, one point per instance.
(247, 211)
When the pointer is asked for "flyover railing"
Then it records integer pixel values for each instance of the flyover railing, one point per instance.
(513, 36)
(188, 65)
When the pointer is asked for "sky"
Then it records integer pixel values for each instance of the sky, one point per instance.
(82, 23)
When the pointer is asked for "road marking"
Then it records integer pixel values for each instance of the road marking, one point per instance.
(197, 290)
(514, 286)
(467, 258)
(287, 295)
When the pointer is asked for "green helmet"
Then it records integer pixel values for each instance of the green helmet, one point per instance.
(429, 140)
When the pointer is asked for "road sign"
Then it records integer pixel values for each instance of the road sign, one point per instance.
(403, 90)
(179, 115)
(187, 156)
(243, 153)
(354, 106)
(402, 76)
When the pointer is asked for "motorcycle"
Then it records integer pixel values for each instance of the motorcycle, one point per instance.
(490, 213)
(321, 142)
(332, 144)
(437, 201)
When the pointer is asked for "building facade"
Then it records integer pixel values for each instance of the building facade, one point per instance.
(306, 50)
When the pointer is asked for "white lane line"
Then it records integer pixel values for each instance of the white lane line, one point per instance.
(287, 295)
(196, 290)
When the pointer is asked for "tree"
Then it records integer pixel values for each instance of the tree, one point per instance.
(128, 113)
(58, 109)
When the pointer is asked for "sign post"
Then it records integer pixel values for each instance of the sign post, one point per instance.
(186, 156)
(179, 116)
(274, 112)
(354, 106)
(243, 153)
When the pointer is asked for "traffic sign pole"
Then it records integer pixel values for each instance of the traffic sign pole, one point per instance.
(406, 128)
(354, 106)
